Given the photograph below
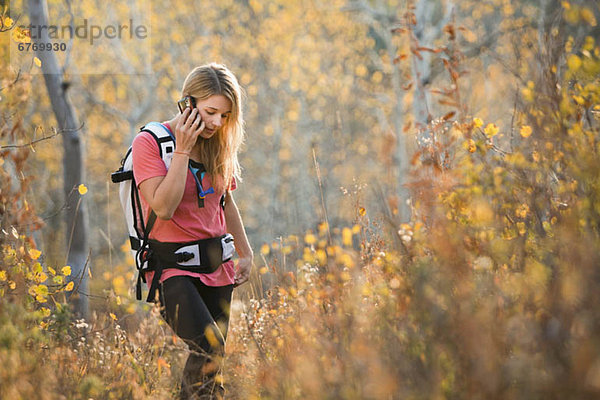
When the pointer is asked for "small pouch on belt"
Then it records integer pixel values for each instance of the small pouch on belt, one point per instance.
(228, 247)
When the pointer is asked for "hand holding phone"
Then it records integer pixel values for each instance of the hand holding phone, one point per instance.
(187, 101)
(189, 125)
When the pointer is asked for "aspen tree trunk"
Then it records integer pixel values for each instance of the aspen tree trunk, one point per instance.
(275, 214)
(380, 20)
(402, 154)
(432, 16)
(73, 161)
(402, 145)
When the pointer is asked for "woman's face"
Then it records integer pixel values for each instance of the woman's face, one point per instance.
(214, 111)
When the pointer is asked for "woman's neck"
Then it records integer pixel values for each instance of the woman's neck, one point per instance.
(173, 122)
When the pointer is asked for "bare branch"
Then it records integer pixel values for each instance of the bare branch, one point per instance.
(13, 82)
(56, 133)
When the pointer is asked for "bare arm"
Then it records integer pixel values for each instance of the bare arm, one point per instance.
(164, 193)
(236, 227)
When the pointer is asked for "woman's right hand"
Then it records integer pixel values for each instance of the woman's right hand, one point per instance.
(188, 128)
(164, 193)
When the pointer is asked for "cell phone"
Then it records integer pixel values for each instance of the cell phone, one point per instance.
(187, 101)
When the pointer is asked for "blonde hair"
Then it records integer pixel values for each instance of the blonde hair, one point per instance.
(219, 154)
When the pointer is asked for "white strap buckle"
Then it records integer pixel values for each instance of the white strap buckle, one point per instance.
(228, 247)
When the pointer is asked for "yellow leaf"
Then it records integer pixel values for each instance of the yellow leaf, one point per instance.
(526, 131)
(310, 238)
(12, 285)
(41, 277)
(69, 286)
(125, 247)
(3, 276)
(588, 16)
(471, 146)
(34, 254)
(491, 130)
(345, 275)
(37, 62)
(322, 257)
(522, 228)
(308, 256)
(8, 22)
(41, 290)
(265, 249)
(347, 237)
(113, 316)
(37, 268)
(323, 228)
(211, 337)
(573, 62)
(45, 312)
(82, 189)
(477, 122)
(362, 212)
(66, 270)
(469, 36)
(360, 70)
(263, 270)
(21, 35)
(52, 270)
(528, 94)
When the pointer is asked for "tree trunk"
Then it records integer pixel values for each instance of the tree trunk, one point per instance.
(402, 154)
(432, 16)
(74, 174)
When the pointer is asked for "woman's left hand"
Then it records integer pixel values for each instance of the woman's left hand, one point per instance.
(242, 271)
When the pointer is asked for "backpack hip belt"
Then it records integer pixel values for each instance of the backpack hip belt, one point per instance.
(202, 256)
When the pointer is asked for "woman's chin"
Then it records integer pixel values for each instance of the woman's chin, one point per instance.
(207, 134)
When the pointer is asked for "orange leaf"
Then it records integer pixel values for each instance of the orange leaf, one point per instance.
(449, 115)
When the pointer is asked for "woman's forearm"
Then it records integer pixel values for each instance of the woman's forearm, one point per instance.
(167, 195)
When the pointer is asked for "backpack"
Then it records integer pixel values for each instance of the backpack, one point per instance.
(130, 198)
(139, 230)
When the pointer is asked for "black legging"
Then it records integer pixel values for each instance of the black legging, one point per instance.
(190, 308)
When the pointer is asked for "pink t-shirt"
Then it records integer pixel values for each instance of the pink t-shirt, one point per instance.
(189, 222)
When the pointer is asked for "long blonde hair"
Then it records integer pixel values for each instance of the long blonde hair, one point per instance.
(219, 154)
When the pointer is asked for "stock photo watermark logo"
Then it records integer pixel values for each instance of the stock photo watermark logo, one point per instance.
(86, 31)
(116, 41)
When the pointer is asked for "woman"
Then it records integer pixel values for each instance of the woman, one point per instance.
(207, 138)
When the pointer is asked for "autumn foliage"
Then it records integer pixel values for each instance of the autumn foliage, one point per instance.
(488, 287)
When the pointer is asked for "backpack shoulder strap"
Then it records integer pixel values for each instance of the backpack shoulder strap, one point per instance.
(164, 138)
